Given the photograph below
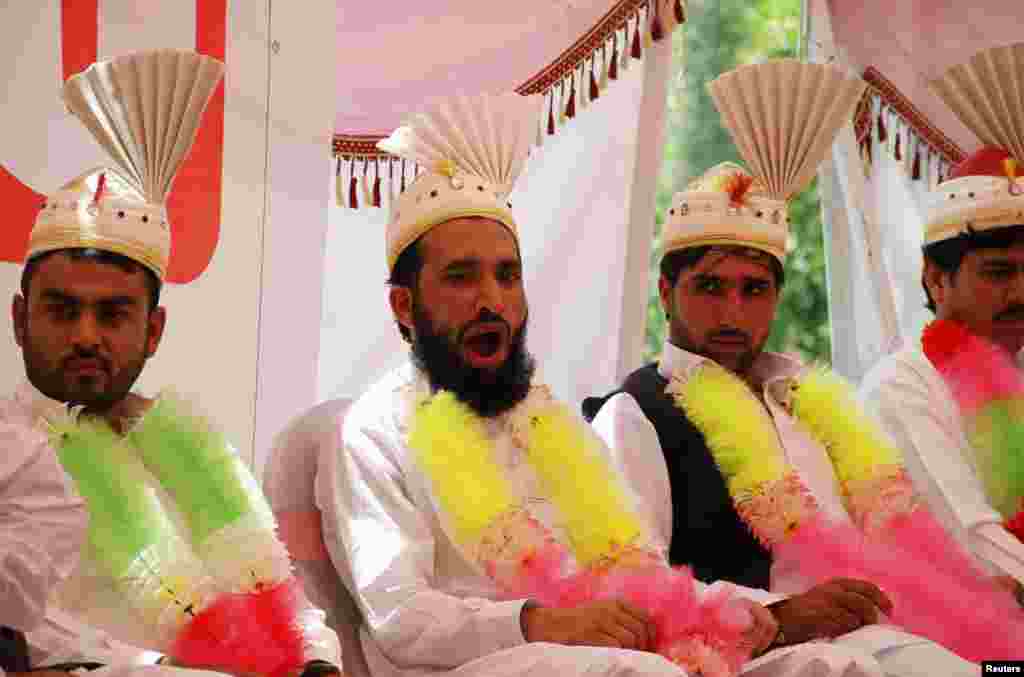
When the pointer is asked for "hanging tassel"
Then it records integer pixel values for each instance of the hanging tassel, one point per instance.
(603, 82)
(915, 173)
(403, 177)
(353, 186)
(551, 111)
(570, 109)
(882, 135)
(561, 103)
(657, 29)
(595, 91)
(365, 185)
(680, 12)
(613, 65)
(896, 152)
(637, 51)
(391, 183)
(376, 183)
(339, 190)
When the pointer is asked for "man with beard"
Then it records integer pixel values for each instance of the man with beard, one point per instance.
(432, 561)
(87, 320)
(973, 278)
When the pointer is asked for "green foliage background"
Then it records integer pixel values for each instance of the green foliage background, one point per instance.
(718, 36)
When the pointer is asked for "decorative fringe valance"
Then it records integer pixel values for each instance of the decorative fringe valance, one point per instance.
(368, 177)
(889, 118)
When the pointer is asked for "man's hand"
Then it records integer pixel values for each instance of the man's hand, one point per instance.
(831, 609)
(609, 623)
(764, 629)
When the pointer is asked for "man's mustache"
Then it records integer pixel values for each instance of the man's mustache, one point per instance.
(486, 316)
(1014, 313)
(80, 354)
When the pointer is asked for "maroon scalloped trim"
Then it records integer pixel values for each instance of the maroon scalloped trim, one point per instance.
(364, 146)
(893, 98)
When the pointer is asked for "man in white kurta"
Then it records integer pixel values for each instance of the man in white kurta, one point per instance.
(428, 605)
(973, 256)
(42, 526)
(87, 320)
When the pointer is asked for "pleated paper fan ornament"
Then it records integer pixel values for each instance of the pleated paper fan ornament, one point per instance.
(473, 149)
(987, 94)
(144, 109)
(783, 116)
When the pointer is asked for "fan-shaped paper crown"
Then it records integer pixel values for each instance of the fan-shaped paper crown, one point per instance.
(488, 136)
(473, 149)
(145, 109)
(783, 116)
(987, 94)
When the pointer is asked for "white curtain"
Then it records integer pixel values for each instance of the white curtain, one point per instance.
(573, 207)
(873, 230)
(858, 290)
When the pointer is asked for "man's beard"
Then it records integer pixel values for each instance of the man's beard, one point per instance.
(95, 395)
(488, 392)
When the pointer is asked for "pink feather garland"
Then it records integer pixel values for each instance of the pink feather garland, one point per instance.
(706, 635)
(952, 604)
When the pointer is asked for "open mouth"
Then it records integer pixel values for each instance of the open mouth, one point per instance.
(483, 344)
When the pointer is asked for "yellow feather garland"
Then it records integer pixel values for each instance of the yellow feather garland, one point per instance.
(598, 513)
(859, 450)
(737, 430)
(452, 448)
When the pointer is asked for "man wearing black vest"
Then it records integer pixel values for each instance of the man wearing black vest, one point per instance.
(721, 276)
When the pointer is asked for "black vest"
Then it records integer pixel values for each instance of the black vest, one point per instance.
(13, 650)
(707, 533)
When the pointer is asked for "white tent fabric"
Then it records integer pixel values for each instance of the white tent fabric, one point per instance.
(574, 208)
(873, 230)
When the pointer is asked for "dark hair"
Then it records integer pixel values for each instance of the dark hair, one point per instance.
(949, 254)
(405, 273)
(673, 263)
(126, 264)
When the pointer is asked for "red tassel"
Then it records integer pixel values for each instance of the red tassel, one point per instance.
(551, 114)
(101, 188)
(680, 12)
(915, 172)
(899, 154)
(657, 30)
(595, 91)
(376, 192)
(353, 193)
(613, 67)
(637, 51)
(882, 135)
(570, 108)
